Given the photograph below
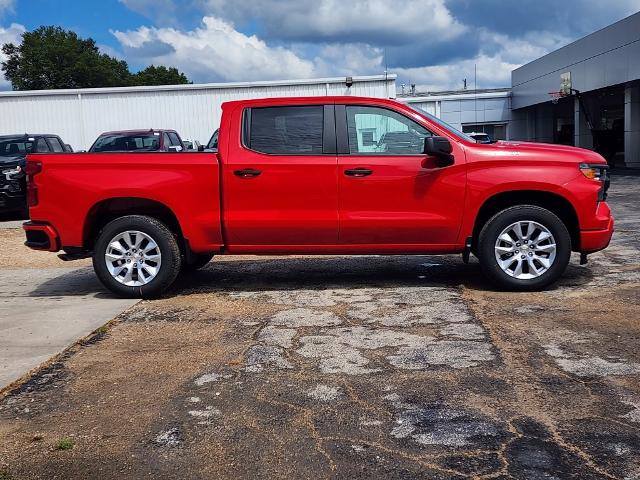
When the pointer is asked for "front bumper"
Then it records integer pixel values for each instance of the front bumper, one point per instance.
(594, 240)
(11, 203)
(41, 236)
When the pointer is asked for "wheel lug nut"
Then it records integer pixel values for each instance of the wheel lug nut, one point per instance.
(517, 251)
(128, 260)
(523, 257)
(530, 254)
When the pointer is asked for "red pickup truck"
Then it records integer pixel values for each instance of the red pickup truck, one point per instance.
(327, 175)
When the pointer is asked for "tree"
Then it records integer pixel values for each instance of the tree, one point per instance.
(153, 75)
(51, 57)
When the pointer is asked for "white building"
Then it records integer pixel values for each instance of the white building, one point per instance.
(80, 115)
(486, 110)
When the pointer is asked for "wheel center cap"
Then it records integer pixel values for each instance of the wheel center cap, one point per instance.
(525, 247)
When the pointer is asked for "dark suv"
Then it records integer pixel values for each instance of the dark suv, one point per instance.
(13, 152)
(139, 141)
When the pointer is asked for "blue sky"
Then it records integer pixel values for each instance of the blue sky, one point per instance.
(433, 43)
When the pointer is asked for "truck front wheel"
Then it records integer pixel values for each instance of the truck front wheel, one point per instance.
(136, 257)
(524, 248)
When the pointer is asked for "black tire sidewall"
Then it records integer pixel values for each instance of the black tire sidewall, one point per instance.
(166, 242)
(500, 221)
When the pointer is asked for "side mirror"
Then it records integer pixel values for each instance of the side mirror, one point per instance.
(201, 148)
(174, 149)
(440, 148)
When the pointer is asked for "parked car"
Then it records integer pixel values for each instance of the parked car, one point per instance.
(315, 176)
(213, 142)
(481, 137)
(193, 145)
(13, 153)
(138, 141)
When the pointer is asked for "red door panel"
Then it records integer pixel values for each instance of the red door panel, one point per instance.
(400, 202)
(401, 198)
(293, 200)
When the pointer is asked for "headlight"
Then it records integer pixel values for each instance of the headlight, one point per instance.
(598, 172)
(12, 172)
(594, 172)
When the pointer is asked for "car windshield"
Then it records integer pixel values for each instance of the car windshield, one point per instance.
(127, 142)
(15, 146)
(454, 131)
(213, 142)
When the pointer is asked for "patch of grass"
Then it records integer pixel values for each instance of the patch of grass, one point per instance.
(103, 329)
(65, 443)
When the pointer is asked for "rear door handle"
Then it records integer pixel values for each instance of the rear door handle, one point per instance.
(247, 173)
(358, 172)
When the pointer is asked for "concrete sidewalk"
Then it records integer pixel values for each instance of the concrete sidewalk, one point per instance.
(43, 311)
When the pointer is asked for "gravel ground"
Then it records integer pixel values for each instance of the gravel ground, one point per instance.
(350, 367)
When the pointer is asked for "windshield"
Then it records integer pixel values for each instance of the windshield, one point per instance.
(213, 142)
(15, 146)
(445, 125)
(127, 142)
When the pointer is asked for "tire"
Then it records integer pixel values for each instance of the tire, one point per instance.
(542, 265)
(198, 260)
(159, 265)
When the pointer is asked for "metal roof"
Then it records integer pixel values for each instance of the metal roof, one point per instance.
(196, 86)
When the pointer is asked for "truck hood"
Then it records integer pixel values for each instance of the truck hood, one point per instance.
(13, 161)
(547, 150)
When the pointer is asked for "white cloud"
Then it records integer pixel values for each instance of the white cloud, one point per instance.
(214, 51)
(10, 34)
(493, 65)
(388, 22)
(6, 6)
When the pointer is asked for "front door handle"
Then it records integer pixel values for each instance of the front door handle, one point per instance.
(358, 172)
(247, 173)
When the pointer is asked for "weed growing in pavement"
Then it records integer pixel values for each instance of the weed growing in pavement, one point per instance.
(65, 443)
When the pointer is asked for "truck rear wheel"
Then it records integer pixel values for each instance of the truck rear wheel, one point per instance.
(524, 248)
(136, 257)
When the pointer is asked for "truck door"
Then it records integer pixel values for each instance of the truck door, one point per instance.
(390, 192)
(280, 179)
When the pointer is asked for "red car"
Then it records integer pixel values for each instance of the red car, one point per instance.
(327, 175)
(138, 141)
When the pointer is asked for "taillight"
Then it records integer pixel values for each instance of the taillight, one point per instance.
(33, 168)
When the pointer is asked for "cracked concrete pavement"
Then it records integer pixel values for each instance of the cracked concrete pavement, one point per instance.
(351, 367)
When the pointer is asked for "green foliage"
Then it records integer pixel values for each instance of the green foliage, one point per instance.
(159, 76)
(65, 443)
(51, 58)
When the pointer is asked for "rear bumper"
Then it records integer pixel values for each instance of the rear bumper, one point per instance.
(594, 240)
(41, 236)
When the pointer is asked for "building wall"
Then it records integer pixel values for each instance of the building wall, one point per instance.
(604, 58)
(79, 116)
(461, 108)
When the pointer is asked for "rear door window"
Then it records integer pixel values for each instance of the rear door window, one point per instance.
(295, 130)
(55, 144)
(175, 140)
(41, 146)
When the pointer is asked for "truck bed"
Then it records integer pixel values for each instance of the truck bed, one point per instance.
(74, 187)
